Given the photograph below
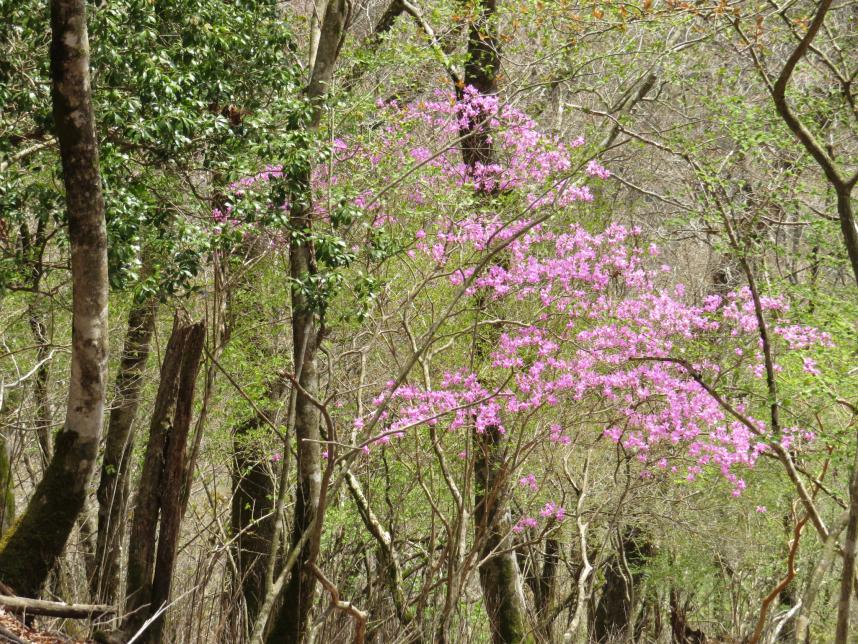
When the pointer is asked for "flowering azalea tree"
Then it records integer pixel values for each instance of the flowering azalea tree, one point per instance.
(586, 326)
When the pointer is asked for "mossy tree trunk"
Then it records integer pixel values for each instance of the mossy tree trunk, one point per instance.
(31, 548)
(7, 497)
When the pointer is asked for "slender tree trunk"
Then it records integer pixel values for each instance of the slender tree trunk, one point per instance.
(40, 387)
(33, 248)
(847, 226)
(849, 550)
(384, 25)
(7, 497)
(292, 620)
(300, 590)
(115, 469)
(389, 557)
(37, 540)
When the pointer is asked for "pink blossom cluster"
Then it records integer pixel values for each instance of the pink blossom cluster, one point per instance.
(603, 334)
(550, 512)
(525, 157)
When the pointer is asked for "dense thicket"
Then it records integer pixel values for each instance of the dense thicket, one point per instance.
(454, 321)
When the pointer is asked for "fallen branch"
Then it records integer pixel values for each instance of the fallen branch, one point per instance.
(55, 609)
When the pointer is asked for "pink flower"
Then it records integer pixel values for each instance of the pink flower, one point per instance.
(523, 524)
(529, 481)
(810, 367)
(595, 169)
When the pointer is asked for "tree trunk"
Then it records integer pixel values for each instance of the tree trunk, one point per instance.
(40, 387)
(291, 622)
(614, 613)
(544, 587)
(500, 577)
(148, 583)
(7, 497)
(37, 540)
(33, 248)
(680, 631)
(388, 556)
(172, 505)
(481, 71)
(115, 469)
(54, 609)
(252, 507)
(252, 500)
(849, 550)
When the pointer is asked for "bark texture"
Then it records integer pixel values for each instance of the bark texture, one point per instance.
(253, 505)
(850, 545)
(32, 547)
(614, 615)
(158, 513)
(7, 496)
(113, 486)
(500, 577)
(481, 72)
